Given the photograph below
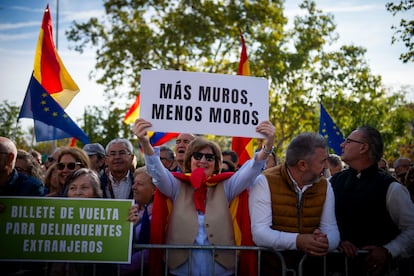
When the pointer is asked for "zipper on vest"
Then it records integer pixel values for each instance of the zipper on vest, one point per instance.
(299, 200)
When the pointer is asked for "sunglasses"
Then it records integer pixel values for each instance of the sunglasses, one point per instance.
(209, 156)
(50, 159)
(70, 166)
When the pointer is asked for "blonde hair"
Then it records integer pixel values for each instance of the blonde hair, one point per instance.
(78, 154)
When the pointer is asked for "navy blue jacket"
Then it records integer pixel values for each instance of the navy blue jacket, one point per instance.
(20, 184)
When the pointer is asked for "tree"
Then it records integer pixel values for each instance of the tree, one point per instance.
(8, 120)
(204, 36)
(405, 31)
(13, 129)
(102, 124)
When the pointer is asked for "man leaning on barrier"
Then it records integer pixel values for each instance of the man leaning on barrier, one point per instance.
(292, 206)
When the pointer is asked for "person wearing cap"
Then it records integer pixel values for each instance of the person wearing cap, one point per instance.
(401, 167)
(96, 153)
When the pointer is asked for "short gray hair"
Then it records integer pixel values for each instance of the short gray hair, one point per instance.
(93, 180)
(335, 160)
(124, 141)
(170, 153)
(303, 146)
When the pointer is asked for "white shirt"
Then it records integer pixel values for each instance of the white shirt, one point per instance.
(401, 210)
(122, 188)
(261, 218)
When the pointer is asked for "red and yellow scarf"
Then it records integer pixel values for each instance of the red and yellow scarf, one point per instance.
(239, 211)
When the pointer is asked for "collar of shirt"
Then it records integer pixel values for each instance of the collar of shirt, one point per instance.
(297, 188)
(124, 179)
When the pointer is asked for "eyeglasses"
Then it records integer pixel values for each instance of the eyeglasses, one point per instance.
(120, 153)
(50, 159)
(209, 156)
(70, 166)
(349, 140)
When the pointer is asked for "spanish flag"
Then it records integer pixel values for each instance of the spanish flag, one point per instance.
(156, 138)
(50, 90)
(241, 145)
(133, 112)
(49, 70)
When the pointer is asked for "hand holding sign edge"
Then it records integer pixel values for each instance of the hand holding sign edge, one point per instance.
(140, 130)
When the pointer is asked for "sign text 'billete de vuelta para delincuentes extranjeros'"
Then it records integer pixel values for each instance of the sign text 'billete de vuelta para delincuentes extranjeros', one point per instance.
(63, 229)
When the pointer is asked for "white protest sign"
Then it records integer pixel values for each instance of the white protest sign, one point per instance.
(204, 103)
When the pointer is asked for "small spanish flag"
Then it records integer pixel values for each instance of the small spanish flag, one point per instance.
(133, 112)
(156, 138)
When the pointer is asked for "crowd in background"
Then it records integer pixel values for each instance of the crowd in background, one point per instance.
(189, 172)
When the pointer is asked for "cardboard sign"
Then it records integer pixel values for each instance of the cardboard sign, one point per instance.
(204, 103)
(65, 229)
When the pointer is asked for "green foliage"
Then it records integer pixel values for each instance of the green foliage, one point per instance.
(204, 36)
(23, 138)
(10, 128)
(404, 32)
(180, 35)
(103, 124)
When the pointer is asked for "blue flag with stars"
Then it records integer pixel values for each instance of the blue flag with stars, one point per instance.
(329, 130)
(50, 120)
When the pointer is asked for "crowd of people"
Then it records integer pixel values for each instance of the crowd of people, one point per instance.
(311, 204)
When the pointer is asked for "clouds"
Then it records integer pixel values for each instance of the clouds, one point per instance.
(17, 37)
(17, 25)
(83, 15)
(358, 7)
(24, 8)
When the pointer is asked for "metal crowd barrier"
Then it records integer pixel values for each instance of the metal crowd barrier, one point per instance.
(401, 267)
(404, 267)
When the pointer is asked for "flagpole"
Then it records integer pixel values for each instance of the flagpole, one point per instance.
(47, 79)
(14, 134)
(57, 24)
(56, 45)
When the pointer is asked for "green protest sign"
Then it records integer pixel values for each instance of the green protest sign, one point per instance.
(65, 229)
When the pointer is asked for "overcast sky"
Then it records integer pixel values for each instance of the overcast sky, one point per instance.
(362, 23)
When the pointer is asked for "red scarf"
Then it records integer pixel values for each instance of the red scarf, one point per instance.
(199, 181)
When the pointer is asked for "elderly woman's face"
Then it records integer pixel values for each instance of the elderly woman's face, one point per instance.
(81, 187)
(205, 159)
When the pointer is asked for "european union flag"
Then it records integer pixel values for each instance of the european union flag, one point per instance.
(329, 130)
(50, 120)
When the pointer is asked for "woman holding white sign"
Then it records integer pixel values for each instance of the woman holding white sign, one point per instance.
(201, 197)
